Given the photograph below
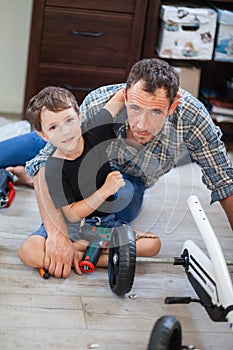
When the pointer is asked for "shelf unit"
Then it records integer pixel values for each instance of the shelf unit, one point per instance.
(213, 73)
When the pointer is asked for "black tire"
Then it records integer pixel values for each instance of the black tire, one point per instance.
(122, 260)
(166, 334)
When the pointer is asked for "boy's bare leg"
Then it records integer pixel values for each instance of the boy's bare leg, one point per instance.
(32, 251)
(146, 247)
(148, 244)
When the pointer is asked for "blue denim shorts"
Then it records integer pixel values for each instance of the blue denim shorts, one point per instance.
(73, 231)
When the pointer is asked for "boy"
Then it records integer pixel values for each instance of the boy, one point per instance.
(78, 173)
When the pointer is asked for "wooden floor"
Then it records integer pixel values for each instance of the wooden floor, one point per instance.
(81, 312)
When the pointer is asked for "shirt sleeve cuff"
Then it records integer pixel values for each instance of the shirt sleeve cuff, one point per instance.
(221, 193)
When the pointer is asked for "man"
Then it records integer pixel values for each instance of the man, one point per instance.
(158, 121)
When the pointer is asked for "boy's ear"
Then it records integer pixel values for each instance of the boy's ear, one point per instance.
(40, 133)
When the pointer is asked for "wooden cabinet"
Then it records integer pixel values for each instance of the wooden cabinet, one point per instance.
(82, 45)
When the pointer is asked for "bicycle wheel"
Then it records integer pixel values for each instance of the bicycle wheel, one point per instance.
(122, 259)
(166, 334)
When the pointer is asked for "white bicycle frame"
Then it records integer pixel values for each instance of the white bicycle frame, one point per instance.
(211, 273)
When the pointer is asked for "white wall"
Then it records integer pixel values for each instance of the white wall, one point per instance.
(15, 18)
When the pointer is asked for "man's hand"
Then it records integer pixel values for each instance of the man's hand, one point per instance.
(60, 256)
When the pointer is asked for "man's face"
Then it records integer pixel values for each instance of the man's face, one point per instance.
(147, 112)
(62, 129)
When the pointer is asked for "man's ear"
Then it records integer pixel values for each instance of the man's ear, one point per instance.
(40, 133)
(175, 103)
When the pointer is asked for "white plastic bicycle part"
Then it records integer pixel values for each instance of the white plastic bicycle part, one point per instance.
(203, 275)
(219, 268)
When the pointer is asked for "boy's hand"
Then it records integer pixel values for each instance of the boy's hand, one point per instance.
(114, 181)
(116, 103)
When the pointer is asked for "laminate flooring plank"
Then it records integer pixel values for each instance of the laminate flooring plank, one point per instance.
(51, 339)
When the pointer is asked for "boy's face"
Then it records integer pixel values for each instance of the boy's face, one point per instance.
(62, 129)
(147, 112)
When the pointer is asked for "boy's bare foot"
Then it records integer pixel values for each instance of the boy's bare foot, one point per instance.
(23, 177)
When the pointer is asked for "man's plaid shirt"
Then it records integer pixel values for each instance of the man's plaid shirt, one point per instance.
(189, 129)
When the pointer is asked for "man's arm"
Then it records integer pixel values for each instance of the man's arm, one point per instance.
(227, 204)
(33, 165)
(60, 254)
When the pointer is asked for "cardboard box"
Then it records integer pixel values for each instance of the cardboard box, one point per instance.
(224, 43)
(186, 32)
(190, 79)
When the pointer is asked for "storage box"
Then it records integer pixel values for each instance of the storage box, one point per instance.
(186, 32)
(189, 79)
(224, 43)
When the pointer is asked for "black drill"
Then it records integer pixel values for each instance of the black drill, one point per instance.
(98, 238)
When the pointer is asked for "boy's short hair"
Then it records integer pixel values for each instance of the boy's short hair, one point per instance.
(54, 98)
